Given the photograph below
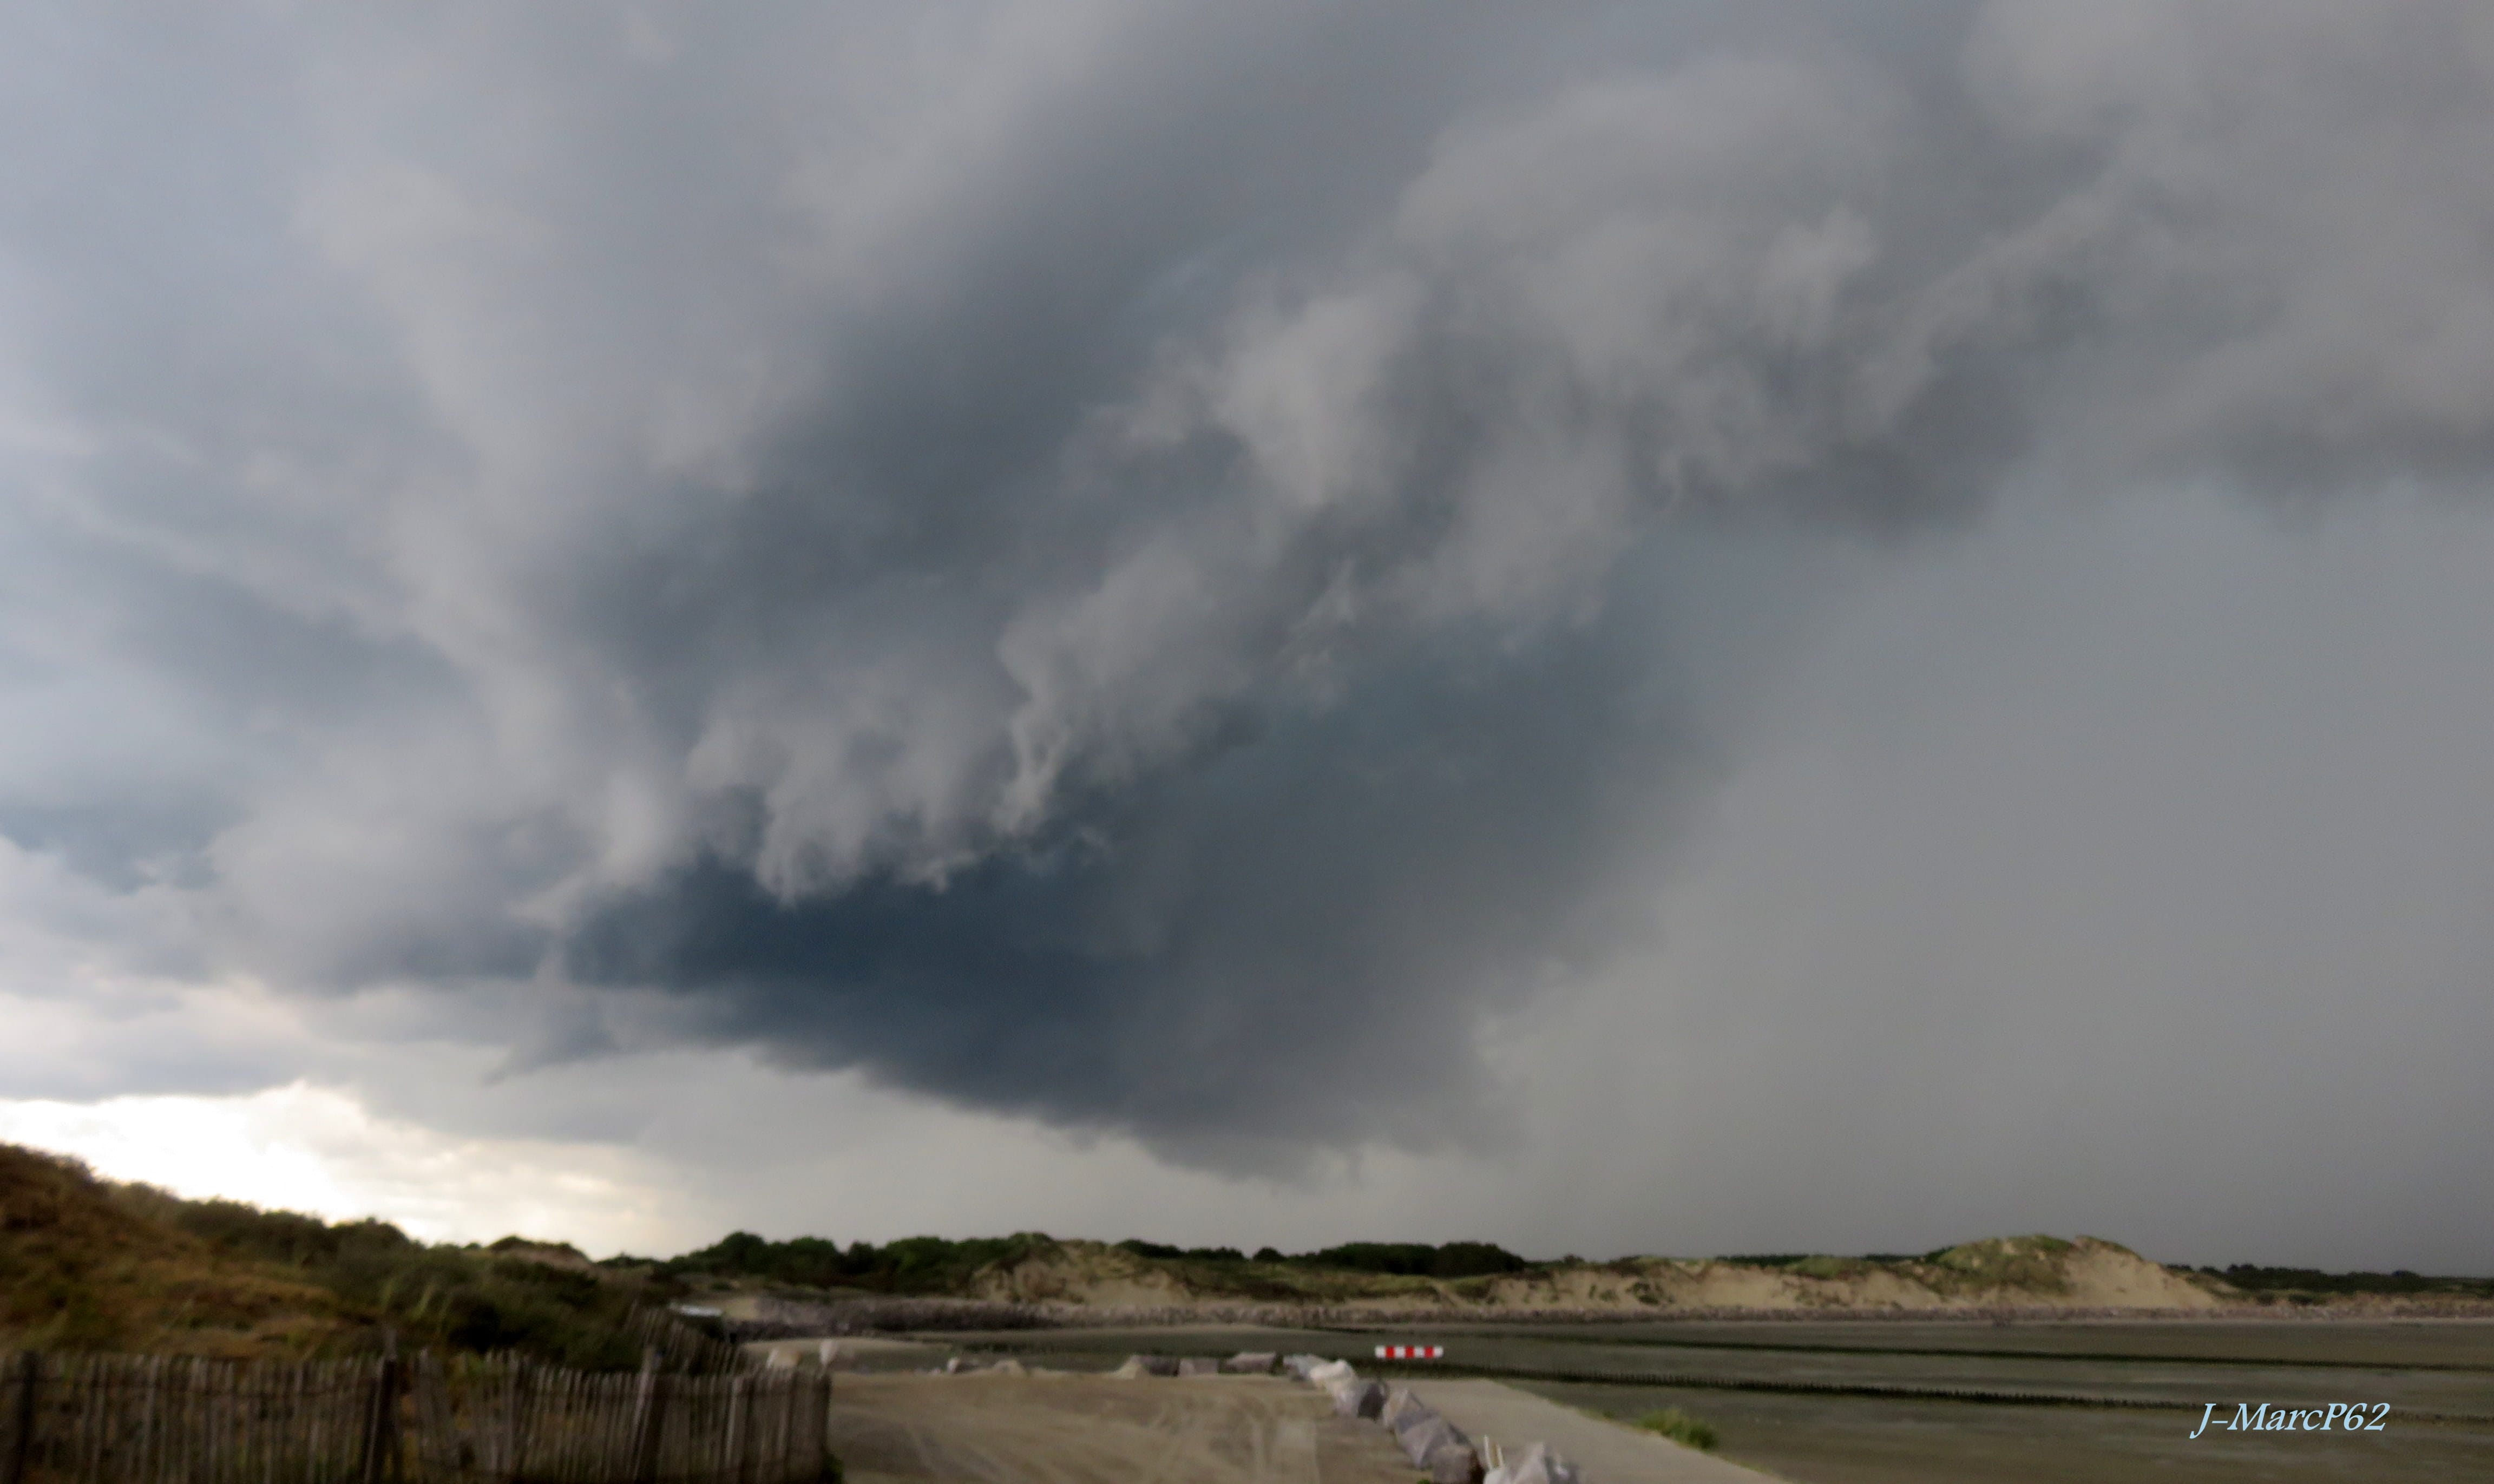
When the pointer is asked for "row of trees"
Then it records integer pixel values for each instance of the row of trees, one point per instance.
(2254, 1279)
(1411, 1259)
(933, 1264)
(923, 1264)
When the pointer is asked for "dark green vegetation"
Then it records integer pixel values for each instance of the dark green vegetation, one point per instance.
(1682, 1427)
(1400, 1259)
(916, 1265)
(1797, 1258)
(937, 1265)
(546, 1301)
(2311, 1286)
(1162, 1252)
(80, 1270)
(1418, 1259)
(88, 1265)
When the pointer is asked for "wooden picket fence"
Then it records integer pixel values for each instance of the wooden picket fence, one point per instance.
(506, 1421)
(140, 1419)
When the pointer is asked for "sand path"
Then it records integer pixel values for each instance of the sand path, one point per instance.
(1049, 1429)
(1608, 1452)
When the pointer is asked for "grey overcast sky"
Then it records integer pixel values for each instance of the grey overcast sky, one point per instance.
(1612, 627)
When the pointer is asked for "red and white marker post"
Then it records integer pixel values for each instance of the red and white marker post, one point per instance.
(1411, 1353)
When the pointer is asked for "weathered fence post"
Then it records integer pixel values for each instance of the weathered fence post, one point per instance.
(381, 1430)
(516, 1401)
(21, 1440)
(792, 1403)
(648, 1418)
(740, 1429)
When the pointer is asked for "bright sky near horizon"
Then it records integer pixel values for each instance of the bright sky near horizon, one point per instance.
(1609, 627)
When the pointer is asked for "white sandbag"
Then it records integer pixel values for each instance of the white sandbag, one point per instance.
(1359, 1399)
(1198, 1365)
(1249, 1363)
(1401, 1407)
(1453, 1463)
(1535, 1464)
(1138, 1366)
(1333, 1370)
(1301, 1364)
(1426, 1435)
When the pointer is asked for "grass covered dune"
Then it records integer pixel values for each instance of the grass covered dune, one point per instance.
(91, 1264)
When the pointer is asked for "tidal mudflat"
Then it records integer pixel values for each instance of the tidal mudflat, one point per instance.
(1877, 1402)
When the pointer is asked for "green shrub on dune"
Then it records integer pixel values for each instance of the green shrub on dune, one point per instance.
(1680, 1428)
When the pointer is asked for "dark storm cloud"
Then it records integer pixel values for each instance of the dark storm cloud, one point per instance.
(1262, 940)
(1098, 559)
